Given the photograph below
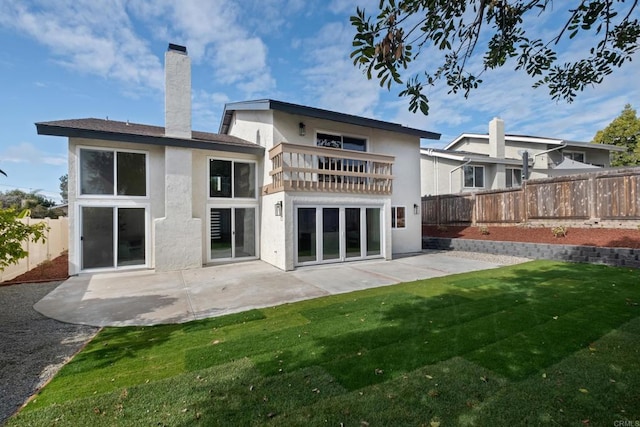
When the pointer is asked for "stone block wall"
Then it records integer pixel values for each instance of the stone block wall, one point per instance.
(621, 257)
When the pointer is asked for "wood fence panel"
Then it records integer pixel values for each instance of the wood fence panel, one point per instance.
(447, 209)
(565, 199)
(618, 197)
(497, 207)
(606, 195)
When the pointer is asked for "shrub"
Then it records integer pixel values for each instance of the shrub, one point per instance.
(559, 231)
(484, 230)
(13, 234)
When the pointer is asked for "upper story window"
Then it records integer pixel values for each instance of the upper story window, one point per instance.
(473, 176)
(340, 141)
(578, 156)
(513, 177)
(230, 178)
(113, 172)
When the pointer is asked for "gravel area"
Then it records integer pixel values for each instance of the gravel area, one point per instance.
(32, 347)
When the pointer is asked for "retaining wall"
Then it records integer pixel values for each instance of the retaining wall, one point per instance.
(621, 257)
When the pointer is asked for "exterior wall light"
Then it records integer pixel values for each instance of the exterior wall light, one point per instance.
(302, 129)
(278, 208)
(415, 209)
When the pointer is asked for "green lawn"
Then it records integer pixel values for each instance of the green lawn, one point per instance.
(537, 343)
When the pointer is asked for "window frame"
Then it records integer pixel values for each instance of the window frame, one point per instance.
(114, 194)
(342, 136)
(484, 176)
(572, 153)
(394, 217)
(233, 171)
(513, 175)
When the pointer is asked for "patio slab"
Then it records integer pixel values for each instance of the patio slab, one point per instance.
(149, 298)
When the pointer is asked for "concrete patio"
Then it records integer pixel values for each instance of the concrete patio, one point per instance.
(149, 298)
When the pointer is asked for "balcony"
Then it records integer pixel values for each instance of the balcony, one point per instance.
(307, 168)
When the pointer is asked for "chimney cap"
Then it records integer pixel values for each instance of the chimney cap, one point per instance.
(177, 48)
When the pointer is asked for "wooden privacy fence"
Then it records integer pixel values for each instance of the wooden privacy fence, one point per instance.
(57, 242)
(599, 196)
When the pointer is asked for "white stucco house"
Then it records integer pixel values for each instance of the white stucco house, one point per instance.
(474, 162)
(289, 184)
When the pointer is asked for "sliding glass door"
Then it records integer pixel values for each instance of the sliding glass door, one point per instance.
(335, 234)
(112, 237)
(232, 233)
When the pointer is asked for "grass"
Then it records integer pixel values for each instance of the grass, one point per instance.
(542, 343)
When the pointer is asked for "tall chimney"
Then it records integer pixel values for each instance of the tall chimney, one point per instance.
(496, 138)
(177, 96)
(178, 235)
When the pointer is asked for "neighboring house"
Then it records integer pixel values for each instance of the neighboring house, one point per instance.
(289, 184)
(475, 162)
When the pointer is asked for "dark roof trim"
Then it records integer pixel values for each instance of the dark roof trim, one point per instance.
(53, 129)
(302, 110)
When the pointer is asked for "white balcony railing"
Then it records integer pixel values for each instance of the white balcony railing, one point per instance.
(297, 167)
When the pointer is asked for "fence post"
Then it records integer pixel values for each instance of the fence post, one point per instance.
(592, 198)
(525, 206)
(474, 209)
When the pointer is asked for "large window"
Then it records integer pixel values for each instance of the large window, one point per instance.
(473, 176)
(398, 219)
(228, 178)
(339, 141)
(350, 165)
(113, 173)
(513, 177)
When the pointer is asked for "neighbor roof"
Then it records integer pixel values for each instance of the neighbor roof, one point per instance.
(536, 140)
(112, 130)
(302, 110)
(464, 156)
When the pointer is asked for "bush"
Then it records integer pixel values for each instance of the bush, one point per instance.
(13, 234)
(559, 231)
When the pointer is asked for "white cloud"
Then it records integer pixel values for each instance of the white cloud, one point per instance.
(215, 35)
(100, 37)
(25, 152)
(331, 80)
(88, 36)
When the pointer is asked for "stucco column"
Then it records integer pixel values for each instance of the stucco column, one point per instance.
(178, 236)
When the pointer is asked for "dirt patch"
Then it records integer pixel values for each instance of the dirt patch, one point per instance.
(602, 237)
(56, 269)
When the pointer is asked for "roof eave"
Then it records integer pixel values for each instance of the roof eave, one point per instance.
(472, 158)
(302, 110)
(609, 147)
(53, 130)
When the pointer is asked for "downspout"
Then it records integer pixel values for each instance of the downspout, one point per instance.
(547, 151)
(451, 174)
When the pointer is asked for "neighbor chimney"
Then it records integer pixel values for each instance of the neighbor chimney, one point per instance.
(177, 95)
(496, 138)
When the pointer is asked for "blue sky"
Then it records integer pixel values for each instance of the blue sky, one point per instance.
(67, 59)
